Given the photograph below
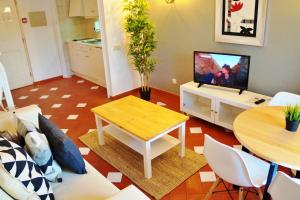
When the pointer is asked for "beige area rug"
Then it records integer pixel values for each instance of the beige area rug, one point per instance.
(168, 170)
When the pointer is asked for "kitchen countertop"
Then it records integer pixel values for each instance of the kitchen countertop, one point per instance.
(97, 44)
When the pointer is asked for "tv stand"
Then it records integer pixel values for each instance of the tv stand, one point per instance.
(215, 104)
(241, 91)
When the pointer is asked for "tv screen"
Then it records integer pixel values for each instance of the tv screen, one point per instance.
(226, 70)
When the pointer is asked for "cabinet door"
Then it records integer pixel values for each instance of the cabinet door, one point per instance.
(74, 56)
(76, 8)
(98, 66)
(90, 8)
(198, 105)
(226, 112)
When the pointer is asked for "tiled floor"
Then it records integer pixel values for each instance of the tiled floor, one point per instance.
(67, 102)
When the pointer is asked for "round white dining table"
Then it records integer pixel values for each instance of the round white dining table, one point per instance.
(261, 130)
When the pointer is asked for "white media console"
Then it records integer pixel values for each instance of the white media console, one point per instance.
(215, 104)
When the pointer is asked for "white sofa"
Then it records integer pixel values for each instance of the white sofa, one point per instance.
(90, 186)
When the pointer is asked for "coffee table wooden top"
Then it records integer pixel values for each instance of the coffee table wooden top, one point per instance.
(143, 119)
(262, 131)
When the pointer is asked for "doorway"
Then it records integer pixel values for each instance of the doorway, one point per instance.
(41, 37)
(12, 49)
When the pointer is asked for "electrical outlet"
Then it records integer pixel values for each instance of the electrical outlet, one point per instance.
(174, 81)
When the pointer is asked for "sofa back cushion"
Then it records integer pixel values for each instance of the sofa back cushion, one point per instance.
(8, 121)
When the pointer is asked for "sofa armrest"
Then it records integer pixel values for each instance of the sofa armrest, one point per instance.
(131, 192)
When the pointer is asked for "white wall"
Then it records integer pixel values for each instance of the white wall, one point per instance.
(120, 77)
(189, 25)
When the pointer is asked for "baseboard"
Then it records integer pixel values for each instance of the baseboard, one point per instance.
(47, 80)
(136, 90)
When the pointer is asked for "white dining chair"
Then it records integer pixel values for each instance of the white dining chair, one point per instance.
(234, 166)
(284, 99)
(4, 88)
(284, 187)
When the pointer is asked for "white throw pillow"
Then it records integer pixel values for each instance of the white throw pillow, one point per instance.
(38, 148)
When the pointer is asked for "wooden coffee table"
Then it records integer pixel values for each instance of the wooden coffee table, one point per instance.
(142, 126)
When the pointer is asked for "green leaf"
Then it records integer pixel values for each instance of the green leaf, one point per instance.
(142, 37)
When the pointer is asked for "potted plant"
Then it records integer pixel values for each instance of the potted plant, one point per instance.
(142, 41)
(292, 117)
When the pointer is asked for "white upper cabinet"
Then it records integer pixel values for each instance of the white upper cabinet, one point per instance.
(83, 8)
(76, 8)
(90, 8)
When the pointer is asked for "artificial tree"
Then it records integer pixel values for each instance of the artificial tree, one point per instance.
(142, 40)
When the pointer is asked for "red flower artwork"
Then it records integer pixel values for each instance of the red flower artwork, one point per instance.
(236, 7)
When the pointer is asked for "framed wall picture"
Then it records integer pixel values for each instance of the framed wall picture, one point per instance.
(241, 21)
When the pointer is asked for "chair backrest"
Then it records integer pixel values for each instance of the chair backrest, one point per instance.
(226, 162)
(284, 99)
(4, 88)
(284, 187)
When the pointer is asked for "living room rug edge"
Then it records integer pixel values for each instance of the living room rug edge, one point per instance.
(169, 170)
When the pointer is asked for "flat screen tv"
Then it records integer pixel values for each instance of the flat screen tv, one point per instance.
(226, 70)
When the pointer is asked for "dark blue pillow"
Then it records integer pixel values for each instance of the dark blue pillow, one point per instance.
(64, 151)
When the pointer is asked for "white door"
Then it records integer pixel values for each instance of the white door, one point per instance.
(12, 49)
(41, 37)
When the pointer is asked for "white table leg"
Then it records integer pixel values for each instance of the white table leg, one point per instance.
(100, 130)
(181, 135)
(147, 160)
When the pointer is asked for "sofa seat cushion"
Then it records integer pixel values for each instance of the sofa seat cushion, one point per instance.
(91, 186)
(131, 192)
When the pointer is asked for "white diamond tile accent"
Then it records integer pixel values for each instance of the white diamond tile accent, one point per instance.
(81, 105)
(238, 147)
(114, 177)
(23, 97)
(95, 88)
(207, 177)
(57, 105)
(196, 130)
(44, 97)
(91, 130)
(34, 90)
(161, 104)
(48, 116)
(84, 151)
(80, 81)
(66, 96)
(72, 117)
(199, 149)
(64, 130)
(53, 89)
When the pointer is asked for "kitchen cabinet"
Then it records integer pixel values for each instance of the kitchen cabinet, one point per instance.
(86, 61)
(83, 8)
(90, 8)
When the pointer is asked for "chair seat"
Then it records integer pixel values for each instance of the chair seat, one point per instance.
(257, 168)
(297, 180)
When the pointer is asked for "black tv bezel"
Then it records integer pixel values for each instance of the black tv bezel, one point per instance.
(229, 54)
